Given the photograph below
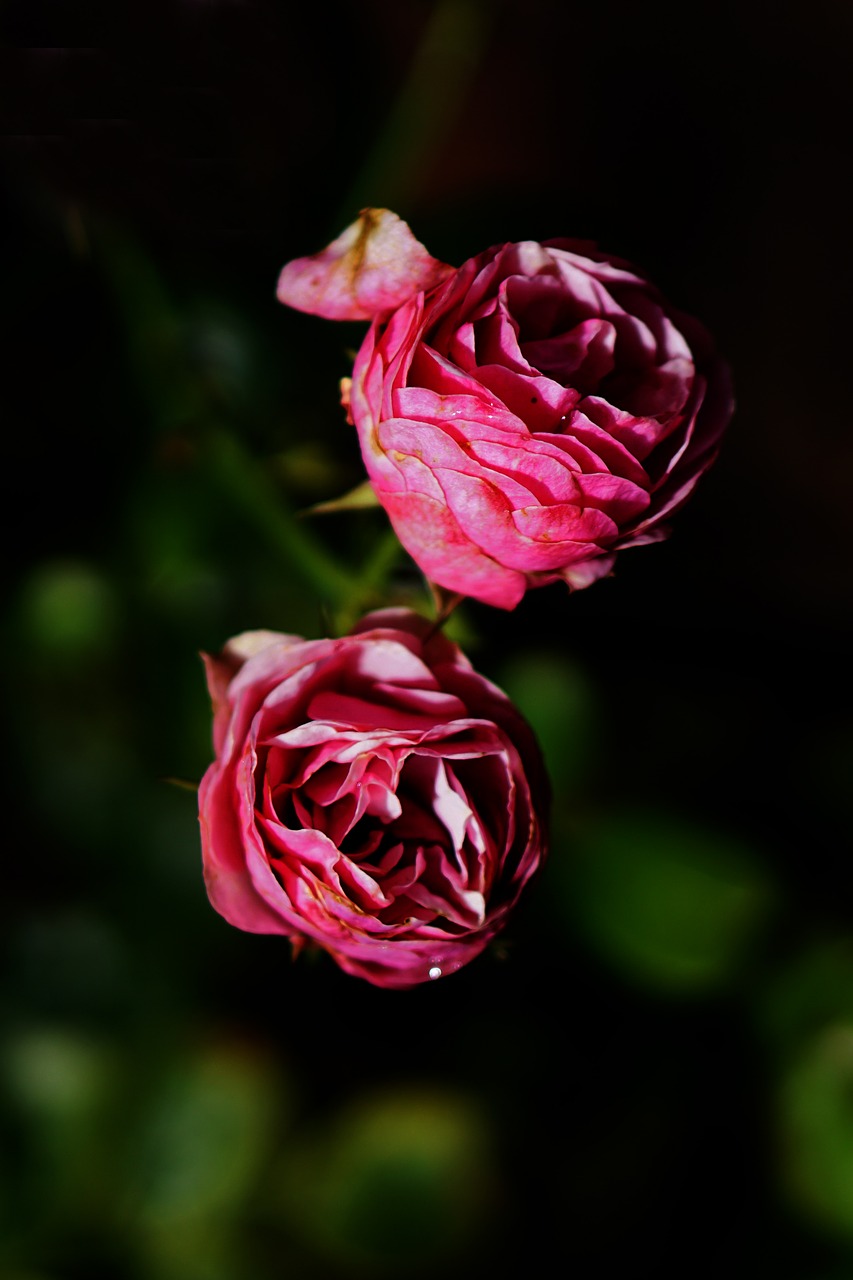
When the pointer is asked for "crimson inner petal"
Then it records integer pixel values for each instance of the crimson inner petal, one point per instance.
(541, 307)
(413, 848)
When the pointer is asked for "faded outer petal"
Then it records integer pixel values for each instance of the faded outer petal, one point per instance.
(371, 268)
(234, 859)
(455, 423)
(221, 668)
(313, 740)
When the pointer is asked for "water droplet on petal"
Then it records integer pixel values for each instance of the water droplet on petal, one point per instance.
(435, 972)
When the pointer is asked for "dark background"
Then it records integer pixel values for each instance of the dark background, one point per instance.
(652, 1071)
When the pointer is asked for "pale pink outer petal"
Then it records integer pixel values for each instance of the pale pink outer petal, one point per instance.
(369, 270)
(221, 668)
(578, 576)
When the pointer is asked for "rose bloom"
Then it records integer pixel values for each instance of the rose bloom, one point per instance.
(524, 417)
(372, 794)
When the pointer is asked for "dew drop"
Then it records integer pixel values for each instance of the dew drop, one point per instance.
(435, 972)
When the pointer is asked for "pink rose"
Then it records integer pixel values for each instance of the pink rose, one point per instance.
(523, 417)
(372, 794)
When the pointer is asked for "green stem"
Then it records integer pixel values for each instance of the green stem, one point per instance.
(424, 112)
(368, 588)
(251, 491)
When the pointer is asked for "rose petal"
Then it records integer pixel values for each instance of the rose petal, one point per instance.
(371, 268)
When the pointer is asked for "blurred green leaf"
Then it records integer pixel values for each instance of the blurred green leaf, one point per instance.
(448, 54)
(192, 1249)
(187, 364)
(393, 1185)
(362, 497)
(670, 905)
(815, 1129)
(558, 699)
(68, 612)
(27, 1274)
(58, 1077)
(802, 995)
(169, 526)
(62, 1083)
(194, 1157)
(203, 1137)
(241, 480)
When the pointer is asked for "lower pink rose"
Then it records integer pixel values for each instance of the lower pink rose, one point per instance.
(371, 794)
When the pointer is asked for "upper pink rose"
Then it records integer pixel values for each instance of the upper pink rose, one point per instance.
(373, 794)
(526, 416)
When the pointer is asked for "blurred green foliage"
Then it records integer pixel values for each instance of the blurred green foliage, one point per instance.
(670, 905)
(179, 1102)
(651, 1072)
(403, 1180)
(815, 1128)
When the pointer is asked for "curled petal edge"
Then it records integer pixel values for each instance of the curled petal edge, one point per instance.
(369, 270)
